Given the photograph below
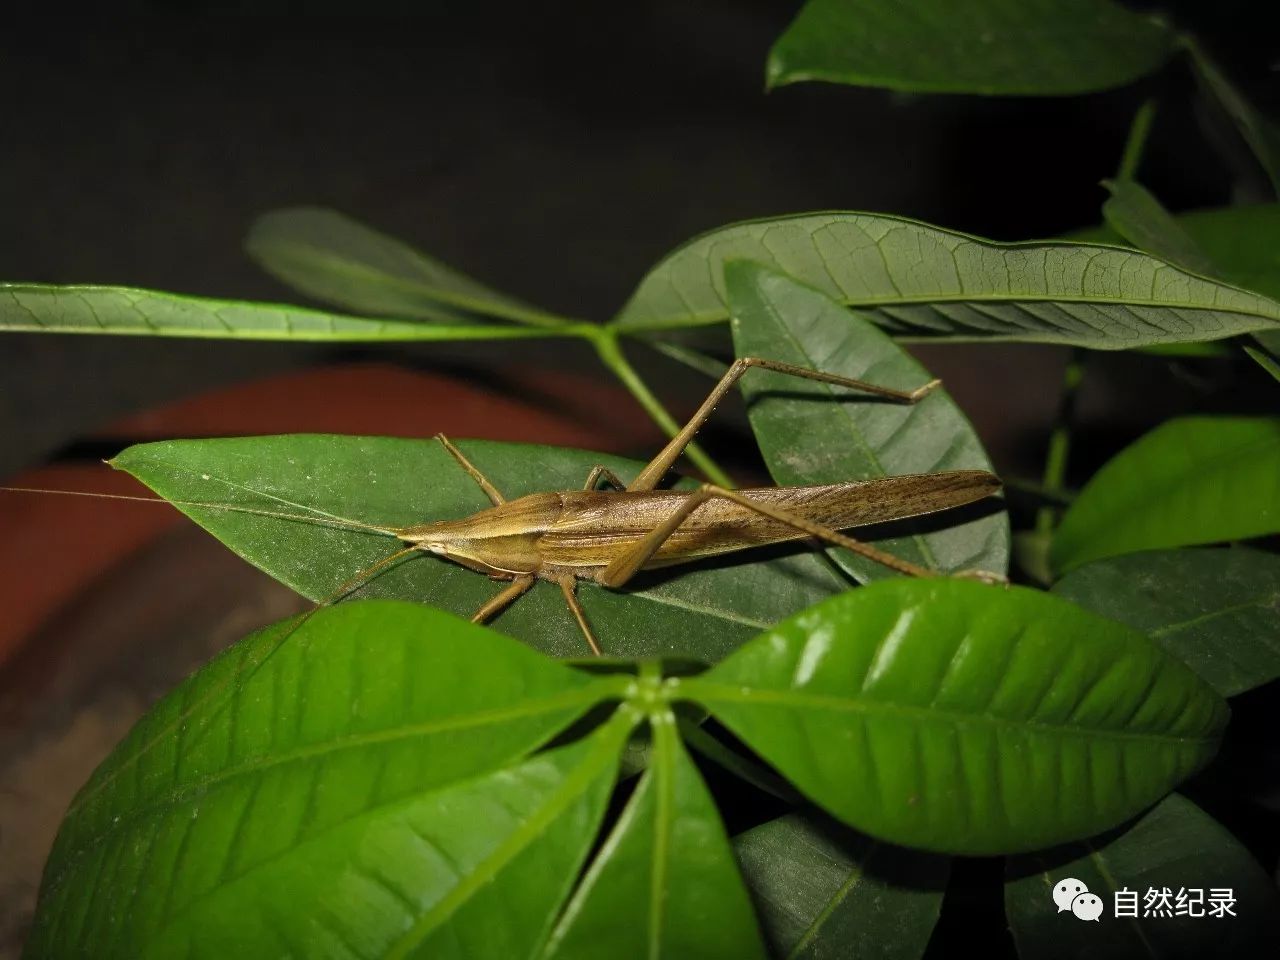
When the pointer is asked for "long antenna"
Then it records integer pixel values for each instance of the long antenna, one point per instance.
(339, 522)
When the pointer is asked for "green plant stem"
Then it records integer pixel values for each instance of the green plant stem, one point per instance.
(1033, 488)
(1055, 465)
(1136, 141)
(610, 351)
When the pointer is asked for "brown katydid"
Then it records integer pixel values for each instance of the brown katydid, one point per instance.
(607, 536)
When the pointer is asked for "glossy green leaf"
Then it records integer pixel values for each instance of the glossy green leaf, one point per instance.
(982, 46)
(1190, 481)
(1134, 213)
(953, 716)
(1177, 848)
(702, 611)
(665, 883)
(918, 280)
(125, 311)
(346, 784)
(1216, 610)
(1258, 131)
(333, 258)
(824, 891)
(815, 433)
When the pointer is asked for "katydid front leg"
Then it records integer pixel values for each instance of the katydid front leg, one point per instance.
(490, 491)
(503, 599)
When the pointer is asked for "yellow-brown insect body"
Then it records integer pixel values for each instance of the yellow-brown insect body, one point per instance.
(579, 533)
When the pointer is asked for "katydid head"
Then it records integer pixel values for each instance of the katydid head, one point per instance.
(481, 554)
(501, 541)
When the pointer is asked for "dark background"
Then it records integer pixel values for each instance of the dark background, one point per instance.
(550, 150)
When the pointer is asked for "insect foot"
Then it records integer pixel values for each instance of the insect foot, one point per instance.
(920, 393)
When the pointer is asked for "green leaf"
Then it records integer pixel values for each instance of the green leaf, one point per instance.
(1264, 360)
(1218, 611)
(952, 716)
(1141, 219)
(333, 258)
(1175, 846)
(914, 279)
(824, 891)
(1243, 243)
(816, 433)
(665, 883)
(44, 308)
(1037, 47)
(1191, 480)
(1257, 130)
(702, 611)
(343, 783)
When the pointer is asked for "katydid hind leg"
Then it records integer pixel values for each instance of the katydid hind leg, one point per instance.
(633, 560)
(834, 537)
(484, 483)
(649, 477)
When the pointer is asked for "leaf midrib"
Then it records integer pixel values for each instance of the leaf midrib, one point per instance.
(584, 697)
(857, 874)
(1267, 599)
(573, 786)
(703, 318)
(621, 726)
(708, 693)
(663, 726)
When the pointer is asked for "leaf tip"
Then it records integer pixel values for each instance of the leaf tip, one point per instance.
(776, 73)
